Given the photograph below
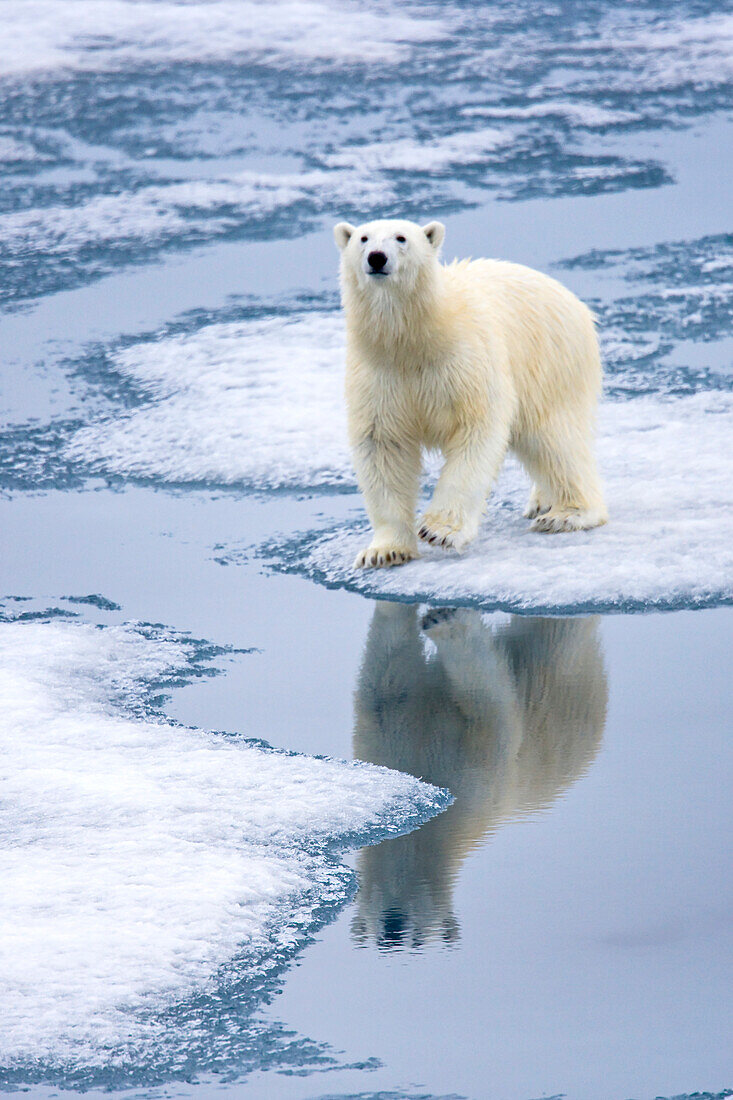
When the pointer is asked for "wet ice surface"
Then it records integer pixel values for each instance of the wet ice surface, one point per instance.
(560, 928)
(147, 866)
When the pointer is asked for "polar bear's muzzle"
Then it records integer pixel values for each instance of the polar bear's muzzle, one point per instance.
(377, 261)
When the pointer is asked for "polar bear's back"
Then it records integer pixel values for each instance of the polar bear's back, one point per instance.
(548, 333)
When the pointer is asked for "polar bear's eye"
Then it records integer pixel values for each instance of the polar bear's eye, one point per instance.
(401, 239)
(364, 240)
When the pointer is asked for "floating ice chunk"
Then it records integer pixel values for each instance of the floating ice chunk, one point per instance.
(669, 543)
(139, 857)
(408, 155)
(13, 151)
(116, 34)
(589, 116)
(699, 50)
(641, 56)
(186, 210)
(259, 403)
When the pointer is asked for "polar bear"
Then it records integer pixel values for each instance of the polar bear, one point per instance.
(506, 714)
(471, 358)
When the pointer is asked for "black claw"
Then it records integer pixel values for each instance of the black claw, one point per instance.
(432, 538)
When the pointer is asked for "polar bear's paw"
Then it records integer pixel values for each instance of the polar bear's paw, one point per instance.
(536, 506)
(384, 555)
(569, 519)
(446, 530)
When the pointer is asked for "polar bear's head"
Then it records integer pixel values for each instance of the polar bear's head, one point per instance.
(388, 254)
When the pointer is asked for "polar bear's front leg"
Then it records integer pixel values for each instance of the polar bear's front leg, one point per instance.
(388, 473)
(471, 465)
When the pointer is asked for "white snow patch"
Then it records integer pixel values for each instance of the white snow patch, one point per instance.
(587, 115)
(410, 155)
(138, 857)
(259, 402)
(163, 211)
(720, 263)
(108, 35)
(14, 151)
(639, 58)
(699, 50)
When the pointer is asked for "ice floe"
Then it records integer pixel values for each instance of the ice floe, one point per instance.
(186, 210)
(144, 863)
(39, 35)
(207, 81)
(260, 404)
(257, 403)
(590, 116)
(408, 155)
(682, 292)
(666, 466)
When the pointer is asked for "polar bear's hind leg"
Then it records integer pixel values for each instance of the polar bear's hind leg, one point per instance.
(567, 494)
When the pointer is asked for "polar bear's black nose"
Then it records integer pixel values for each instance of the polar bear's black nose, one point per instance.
(377, 260)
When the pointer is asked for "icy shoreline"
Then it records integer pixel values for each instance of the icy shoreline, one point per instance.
(148, 864)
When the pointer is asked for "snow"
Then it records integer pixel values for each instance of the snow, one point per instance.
(259, 403)
(699, 50)
(14, 151)
(104, 35)
(409, 155)
(669, 542)
(590, 116)
(182, 210)
(139, 858)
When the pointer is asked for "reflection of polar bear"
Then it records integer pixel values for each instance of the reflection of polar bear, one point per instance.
(505, 718)
(470, 359)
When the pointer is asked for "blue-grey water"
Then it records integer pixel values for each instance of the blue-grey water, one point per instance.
(562, 928)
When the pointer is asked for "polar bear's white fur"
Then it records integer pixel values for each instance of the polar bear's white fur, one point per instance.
(473, 358)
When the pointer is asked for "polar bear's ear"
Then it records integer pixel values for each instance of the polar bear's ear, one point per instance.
(435, 232)
(342, 234)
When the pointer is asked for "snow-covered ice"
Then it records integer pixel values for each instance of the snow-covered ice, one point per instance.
(589, 116)
(669, 542)
(260, 404)
(501, 100)
(182, 210)
(41, 35)
(144, 863)
(408, 155)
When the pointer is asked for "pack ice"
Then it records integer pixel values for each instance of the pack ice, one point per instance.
(260, 404)
(144, 863)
